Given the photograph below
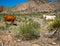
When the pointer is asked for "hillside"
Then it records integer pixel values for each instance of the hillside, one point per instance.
(34, 6)
(3, 9)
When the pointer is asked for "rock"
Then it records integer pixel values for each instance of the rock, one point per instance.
(36, 45)
(1, 44)
(49, 45)
(48, 35)
(18, 40)
(52, 43)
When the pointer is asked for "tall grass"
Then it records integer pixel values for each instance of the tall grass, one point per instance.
(29, 30)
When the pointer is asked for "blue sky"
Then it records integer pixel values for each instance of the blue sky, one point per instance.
(52, 0)
(11, 3)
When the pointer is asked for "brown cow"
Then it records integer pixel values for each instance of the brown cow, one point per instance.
(9, 18)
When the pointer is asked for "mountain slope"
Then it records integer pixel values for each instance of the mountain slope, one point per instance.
(35, 6)
(4, 9)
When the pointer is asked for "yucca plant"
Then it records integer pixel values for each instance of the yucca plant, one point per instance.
(55, 27)
(55, 24)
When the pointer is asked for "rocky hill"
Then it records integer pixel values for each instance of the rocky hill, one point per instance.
(3, 9)
(35, 6)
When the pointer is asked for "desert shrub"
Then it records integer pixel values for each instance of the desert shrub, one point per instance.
(2, 28)
(57, 16)
(36, 14)
(7, 25)
(20, 19)
(41, 16)
(29, 30)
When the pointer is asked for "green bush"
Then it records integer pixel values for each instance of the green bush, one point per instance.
(7, 25)
(29, 30)
(57, 16)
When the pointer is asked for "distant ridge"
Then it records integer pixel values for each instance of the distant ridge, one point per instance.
(35, 6)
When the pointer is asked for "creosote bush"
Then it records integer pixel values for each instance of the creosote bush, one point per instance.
(29, 30)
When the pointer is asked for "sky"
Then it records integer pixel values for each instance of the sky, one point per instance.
(11, 3)
(52, 0)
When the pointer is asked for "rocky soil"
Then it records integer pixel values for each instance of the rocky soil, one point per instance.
(7, 35)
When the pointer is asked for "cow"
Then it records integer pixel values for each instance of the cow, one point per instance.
(49, 17)
(9, 18)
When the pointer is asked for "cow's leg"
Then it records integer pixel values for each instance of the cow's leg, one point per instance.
(12, 22)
